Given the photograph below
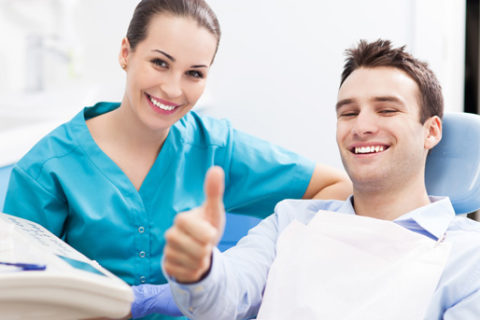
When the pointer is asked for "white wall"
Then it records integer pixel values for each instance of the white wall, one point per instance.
(277, 71)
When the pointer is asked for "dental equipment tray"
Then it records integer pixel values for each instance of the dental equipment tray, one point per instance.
(42, 277)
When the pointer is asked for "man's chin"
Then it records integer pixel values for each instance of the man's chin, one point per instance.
(369, 183)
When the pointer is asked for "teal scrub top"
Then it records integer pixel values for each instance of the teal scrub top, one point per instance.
(70, 186)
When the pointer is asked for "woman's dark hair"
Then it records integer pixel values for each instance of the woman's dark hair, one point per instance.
(380, 53)
(198, 10)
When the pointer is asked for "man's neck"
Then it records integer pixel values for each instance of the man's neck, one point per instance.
(390, 204)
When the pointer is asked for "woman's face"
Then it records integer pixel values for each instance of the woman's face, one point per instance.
(167, 71)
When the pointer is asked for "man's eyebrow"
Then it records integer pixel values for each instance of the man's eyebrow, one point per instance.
(165, 54)
(173, 59)
(343, 102)
(387, 99)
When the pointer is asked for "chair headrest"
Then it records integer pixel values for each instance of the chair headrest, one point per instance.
(453, 166)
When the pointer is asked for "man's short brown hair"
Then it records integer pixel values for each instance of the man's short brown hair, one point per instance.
(381, 54)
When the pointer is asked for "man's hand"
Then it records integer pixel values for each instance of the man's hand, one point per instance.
(188, 250)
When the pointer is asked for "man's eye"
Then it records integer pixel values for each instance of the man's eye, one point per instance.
(387, 111)
(348, 114)
(195, 74)
(160, 63)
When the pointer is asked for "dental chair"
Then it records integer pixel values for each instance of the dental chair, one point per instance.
(453, 166)
(4, 176)
(452, 169)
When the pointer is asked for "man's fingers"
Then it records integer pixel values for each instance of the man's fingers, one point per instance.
(181, 273)
(191, 238)
(182, 260)
(214, 210)
(193, 224)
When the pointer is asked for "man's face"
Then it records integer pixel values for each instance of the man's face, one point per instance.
(381, 140)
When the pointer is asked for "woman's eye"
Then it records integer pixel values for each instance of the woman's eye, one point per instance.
(195, 74)
(160, 63)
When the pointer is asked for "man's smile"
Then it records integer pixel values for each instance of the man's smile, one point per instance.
(368, 149)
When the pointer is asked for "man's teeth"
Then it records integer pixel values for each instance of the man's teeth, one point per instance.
(160, 105)
(370, 149)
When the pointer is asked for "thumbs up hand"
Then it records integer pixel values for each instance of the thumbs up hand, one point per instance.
(190, 241)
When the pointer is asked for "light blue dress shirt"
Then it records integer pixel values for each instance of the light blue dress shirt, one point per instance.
(70, 186)
(233, 289)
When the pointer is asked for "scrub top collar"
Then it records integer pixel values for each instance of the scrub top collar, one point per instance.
(108, 166)
(433, 218)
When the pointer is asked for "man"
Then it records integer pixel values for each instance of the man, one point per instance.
(390, 251)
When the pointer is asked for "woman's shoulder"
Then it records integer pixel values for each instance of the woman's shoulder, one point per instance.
(57, 144)
(198, 129)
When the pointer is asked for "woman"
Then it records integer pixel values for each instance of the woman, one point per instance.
(110, 181)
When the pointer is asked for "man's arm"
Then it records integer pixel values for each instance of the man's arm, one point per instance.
(207, 284)
(328, 183)
(467, 308)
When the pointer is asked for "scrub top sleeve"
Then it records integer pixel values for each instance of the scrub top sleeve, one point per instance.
(27, 199)
(261, 174)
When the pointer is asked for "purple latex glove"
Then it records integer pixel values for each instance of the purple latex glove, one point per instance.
(151, 299)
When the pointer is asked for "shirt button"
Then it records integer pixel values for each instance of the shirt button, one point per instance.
(143, 279)
(142, 254)
(141, 229)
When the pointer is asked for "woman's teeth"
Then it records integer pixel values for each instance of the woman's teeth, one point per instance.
(370, 149)
(160, 105)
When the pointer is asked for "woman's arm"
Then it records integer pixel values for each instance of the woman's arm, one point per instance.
(328, 183)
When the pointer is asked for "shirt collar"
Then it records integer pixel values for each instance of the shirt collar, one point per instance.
(434, 218)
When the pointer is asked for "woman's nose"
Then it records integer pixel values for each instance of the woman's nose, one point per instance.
(171, 86)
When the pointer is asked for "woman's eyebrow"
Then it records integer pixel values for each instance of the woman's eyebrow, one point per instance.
(165, 54)
(173, 59)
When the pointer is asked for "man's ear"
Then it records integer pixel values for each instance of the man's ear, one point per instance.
(124, 53)
(433, 132)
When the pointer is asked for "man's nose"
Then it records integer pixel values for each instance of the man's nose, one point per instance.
(365, 125)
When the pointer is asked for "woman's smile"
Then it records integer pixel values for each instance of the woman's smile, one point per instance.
(161, 106)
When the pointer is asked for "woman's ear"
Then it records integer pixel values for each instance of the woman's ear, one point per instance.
(124, 53)
(433, 132)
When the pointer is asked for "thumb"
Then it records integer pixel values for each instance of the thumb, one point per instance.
(214, 211)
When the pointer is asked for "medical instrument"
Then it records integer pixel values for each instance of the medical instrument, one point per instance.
(53, 280)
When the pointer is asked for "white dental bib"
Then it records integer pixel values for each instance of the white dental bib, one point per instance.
(343, 266)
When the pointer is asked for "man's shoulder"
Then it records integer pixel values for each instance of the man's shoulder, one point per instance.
(464, 235)
(465, 228)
